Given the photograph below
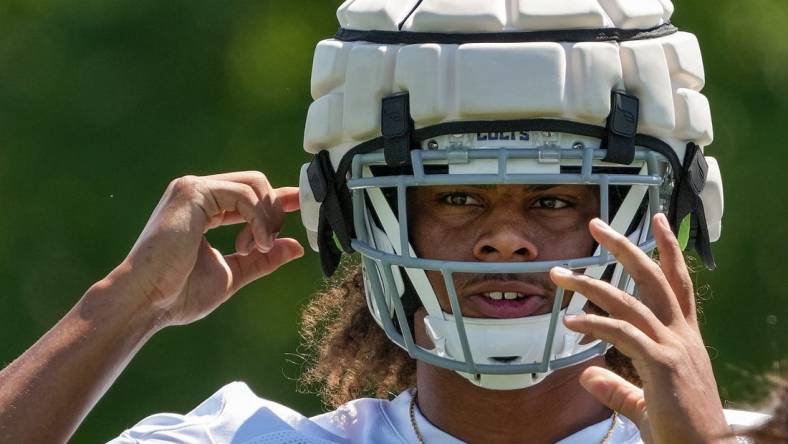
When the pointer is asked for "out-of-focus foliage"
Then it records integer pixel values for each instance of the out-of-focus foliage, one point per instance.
(102, 103)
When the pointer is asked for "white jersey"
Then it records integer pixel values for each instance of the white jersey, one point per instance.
(235, 414)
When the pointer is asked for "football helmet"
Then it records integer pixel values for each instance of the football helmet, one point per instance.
(600, 93)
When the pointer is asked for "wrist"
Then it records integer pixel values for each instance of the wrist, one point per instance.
(117, 297)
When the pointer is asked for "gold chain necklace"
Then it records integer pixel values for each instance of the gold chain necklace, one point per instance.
(420, 437)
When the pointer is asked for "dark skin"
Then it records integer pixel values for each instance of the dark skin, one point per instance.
(503, 224)
(659, 332)
(173, 276)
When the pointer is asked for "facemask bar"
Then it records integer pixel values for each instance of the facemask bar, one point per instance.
(376, 260)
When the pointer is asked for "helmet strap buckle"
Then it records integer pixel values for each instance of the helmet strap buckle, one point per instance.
(622, 126)
(396, 126)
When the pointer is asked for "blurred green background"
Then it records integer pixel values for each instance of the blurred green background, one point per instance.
(103, 103)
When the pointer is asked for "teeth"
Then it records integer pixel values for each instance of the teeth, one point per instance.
(498, 295)
(495, 294)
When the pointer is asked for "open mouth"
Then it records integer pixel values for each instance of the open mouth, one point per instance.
(503, 296)
(508, 295)
(505, 304)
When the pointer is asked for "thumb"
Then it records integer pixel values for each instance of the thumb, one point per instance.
(616, 393)
(250, 267)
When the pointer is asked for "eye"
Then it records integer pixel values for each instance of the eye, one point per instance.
(460, 199)
(551, 203)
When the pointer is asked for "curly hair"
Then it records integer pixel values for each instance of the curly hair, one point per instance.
(348, 355)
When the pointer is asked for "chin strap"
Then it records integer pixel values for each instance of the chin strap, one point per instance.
(688, 203)
(335, 223)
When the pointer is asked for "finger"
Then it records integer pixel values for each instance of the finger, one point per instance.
(671, 261)
(288, 196)
(268, 203)
(247, 177)
(624, 336)
(616, 393)
(225, 218)
(290, 203)
(274, 203)
(267, 195)
(241, 198)
(248, 268)
(654, 290)
(617, 303)
(259, 182)
(244, 242)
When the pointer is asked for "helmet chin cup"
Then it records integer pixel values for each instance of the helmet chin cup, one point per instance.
(504, 341)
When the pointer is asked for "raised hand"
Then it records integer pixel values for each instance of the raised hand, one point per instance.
(171, 276)
(659, 331)
(175, 268)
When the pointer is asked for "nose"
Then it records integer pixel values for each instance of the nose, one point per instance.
(505, 242)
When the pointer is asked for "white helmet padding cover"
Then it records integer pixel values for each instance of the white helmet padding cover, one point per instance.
(544, 68)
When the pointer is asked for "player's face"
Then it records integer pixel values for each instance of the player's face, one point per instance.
(501, 223)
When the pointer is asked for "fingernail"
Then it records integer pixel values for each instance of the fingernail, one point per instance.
(561, 271)
(570, 318)
(266, 247)
(250, 246)
(663, 220)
